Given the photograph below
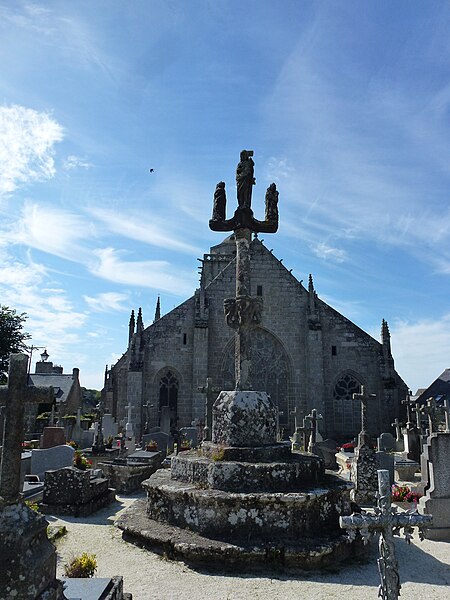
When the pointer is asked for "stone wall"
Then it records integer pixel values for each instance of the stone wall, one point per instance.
(317, 346)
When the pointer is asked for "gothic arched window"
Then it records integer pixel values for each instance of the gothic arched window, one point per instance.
(346, 411)
(269, 371)
(168, 396)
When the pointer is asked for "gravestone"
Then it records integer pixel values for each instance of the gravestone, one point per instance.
(28, 559)
(386, 442)
(436, 500)
(164, 441)
(110, 427)
(53, 436)
(49, 459)
(165, 419)
(327, 451)
(412, 444)
(71, 491)
(189, 434)
(364, 465)
(385, 462)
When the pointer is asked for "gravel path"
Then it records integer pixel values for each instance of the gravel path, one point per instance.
(424, 569)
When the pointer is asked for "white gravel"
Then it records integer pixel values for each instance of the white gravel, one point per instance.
(424, 569)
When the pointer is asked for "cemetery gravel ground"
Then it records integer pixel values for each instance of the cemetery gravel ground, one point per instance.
(424, 568)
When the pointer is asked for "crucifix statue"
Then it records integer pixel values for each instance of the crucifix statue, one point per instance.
(387, 523)
(13, 396)
(244, 311)
(210, 392)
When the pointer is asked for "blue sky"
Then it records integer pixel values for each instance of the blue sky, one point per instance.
(345, 104)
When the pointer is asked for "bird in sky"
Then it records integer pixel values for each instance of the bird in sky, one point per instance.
(151, 170)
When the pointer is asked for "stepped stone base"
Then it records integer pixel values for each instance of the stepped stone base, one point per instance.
(233, 476)
(285, 555)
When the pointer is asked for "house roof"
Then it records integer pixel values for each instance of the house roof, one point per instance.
(62, 384)
(439, 387)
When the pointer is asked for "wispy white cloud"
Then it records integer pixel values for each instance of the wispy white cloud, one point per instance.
(107, 301)
(53, 230)
(73, 36)
(144, 229)
(27, 140)
(52, 319)
(158, 275)
(326, 252)
(363, 152)
(76, 162)
(421, 349)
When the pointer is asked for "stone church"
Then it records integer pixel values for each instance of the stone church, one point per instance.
(304, 354)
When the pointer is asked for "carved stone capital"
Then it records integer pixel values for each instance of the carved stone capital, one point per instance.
(243, 311)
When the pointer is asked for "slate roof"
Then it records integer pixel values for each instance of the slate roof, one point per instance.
(439, 387)
(62, 384)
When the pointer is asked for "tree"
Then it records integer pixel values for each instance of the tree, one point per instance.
(12, 337)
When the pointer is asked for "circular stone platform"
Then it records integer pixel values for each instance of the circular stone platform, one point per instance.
(243, 499)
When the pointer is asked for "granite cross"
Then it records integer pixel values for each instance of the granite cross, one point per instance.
(415, 407)
(387, 523)
(396, 424)
(146, 406)
(363, 397)
(244, 311)
(429, 410)
(313, 419)
(13, 396)
(407, 403)
(211, 392)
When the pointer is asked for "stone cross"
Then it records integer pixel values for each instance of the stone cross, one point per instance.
(387, 523)
(407, 403)
(430, 410)
(146, 406)
(98, 443)
(398, 434)
(210, 392)
(416, 409)
(243, 312)
(128, 425)
(313, 419)
(364, 397)
(446, 415)
(13, 396)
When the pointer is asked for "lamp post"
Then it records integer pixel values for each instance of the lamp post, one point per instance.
(44, 355)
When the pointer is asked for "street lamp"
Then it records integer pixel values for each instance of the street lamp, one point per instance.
(44, 355)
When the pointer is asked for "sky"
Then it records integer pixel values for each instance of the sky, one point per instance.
(345, 104)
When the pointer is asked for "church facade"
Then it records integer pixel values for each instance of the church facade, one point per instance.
(304, 354)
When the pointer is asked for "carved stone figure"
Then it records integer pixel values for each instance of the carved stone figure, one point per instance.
(272, 203)
(220, 201)
(245, 179)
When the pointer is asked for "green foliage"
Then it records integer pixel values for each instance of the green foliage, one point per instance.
(81, 566)
(12, 337)
(54, 532)
(33, 505)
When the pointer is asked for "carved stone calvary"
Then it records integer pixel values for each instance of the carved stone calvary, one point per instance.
(244, 311)
(13, 396)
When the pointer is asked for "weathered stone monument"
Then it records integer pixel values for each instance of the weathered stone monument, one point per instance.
(244, 499)
(28, 559)
(436, 475)
(387, 523)
(364, 466)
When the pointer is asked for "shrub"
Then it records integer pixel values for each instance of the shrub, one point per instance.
(81, 566)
